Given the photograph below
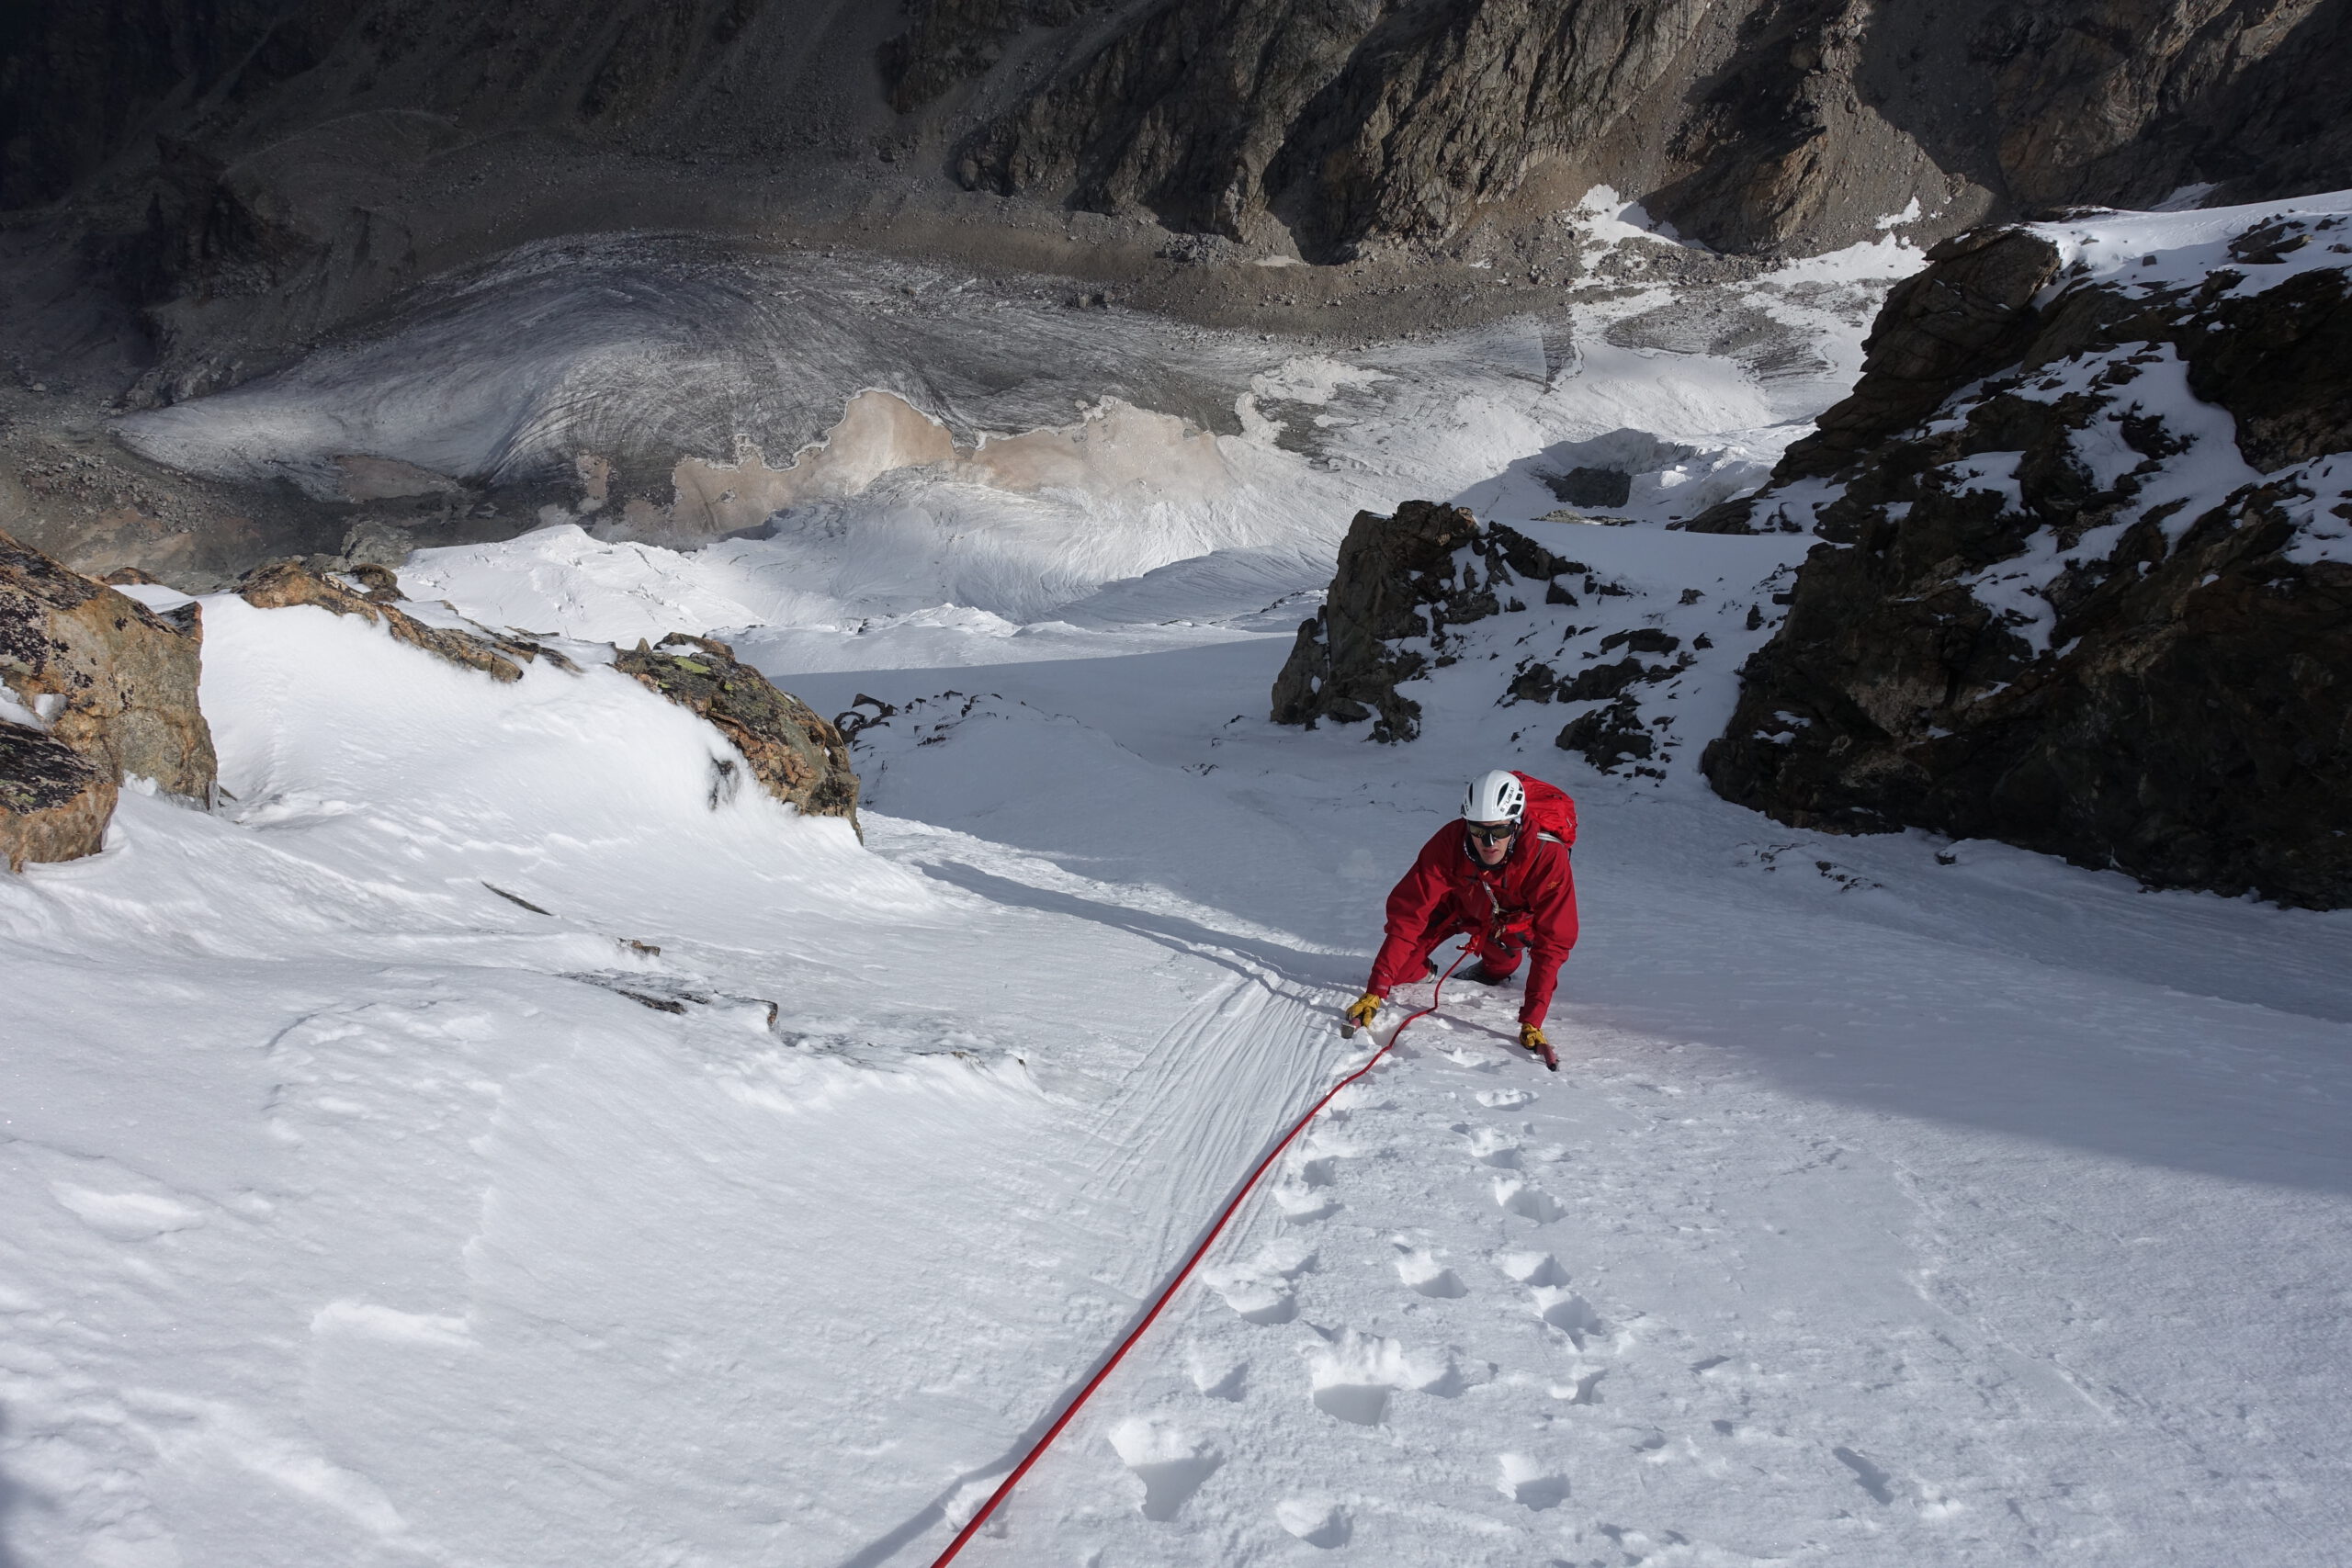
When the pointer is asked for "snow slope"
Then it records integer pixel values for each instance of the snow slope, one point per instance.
(1884, 1210)
(1897, 1201)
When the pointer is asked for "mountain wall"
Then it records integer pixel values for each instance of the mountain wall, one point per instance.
(1618, 669)
(2087, 578)
(243, 144)
(1758, 126)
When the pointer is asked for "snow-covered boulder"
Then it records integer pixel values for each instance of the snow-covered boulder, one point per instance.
(798, 756)
(2095, 598)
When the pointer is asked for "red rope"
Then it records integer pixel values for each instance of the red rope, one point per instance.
(1038, 1452)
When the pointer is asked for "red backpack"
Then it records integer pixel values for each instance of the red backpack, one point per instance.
(1550, 813)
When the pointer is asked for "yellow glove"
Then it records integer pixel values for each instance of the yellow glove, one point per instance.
(1532, 1037)
(1361, 1012)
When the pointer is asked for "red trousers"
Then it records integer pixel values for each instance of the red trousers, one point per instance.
(1500, 952)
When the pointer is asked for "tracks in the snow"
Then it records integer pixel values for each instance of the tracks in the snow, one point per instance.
(1264, 1380)
(1198, 1109)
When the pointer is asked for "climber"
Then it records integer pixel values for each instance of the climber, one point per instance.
(1501, 877)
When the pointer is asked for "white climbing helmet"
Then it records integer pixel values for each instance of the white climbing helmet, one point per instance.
(1493, 797)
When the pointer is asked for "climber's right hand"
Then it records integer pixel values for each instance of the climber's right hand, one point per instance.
(1361, 1012)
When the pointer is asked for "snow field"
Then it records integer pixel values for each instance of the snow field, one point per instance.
(1863, 1223)
(1897, 1200)
(2011, 1199)
(358, 1214)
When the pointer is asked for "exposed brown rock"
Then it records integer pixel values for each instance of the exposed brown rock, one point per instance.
(54, 802)
(379, 584)
(796, 755)
(286, 583)
(126, 676)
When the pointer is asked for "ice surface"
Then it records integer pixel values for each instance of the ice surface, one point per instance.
(913, 414)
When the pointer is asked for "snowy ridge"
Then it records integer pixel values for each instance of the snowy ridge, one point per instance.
(447, 912)
(2143, 445)
(2160, 254)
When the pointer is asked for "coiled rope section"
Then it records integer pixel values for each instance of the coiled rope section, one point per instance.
(1038, 1450)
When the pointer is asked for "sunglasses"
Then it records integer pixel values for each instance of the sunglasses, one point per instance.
(1493, 833)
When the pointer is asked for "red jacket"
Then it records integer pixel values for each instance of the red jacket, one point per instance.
(1529, 899)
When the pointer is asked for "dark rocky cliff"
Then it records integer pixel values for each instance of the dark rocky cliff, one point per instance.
(1757, 126)
(253, 142)
(1397, 579)
(1480, 614)
(207, 191)
(2087, 583)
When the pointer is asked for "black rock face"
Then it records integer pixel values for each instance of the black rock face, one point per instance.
(1968, 313)
(1591, 487)
(1759, 126)
(1404, 581)
(1396, 581)
(1608, 738)
(2095, 600)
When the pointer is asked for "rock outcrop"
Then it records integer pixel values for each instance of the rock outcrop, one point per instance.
(55, 803)
(1758, 126)
(1969, 313)
(114, 688)
(1399, 585)
(796, 754)
(1432, 588)
(2096, 597)
(282, 584)
(122, 678)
